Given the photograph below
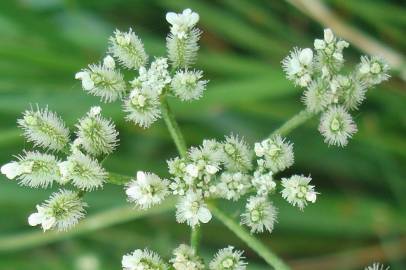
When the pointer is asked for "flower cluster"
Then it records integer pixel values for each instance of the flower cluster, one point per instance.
(172, 76)
(330, 91)
(184, 258)
(96, 137)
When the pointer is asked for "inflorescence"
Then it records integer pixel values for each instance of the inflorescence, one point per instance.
(230, 169)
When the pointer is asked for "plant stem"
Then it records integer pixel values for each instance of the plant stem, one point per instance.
(173, 127)
(293, 122)
(195, 238)
(250, 240)
(96, 222)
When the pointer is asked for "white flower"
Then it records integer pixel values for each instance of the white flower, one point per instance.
(61, 211)
(317, 95)
(143, 260)
(192, 210)
(38, 169)
(13, 169)
(142, 107)
(85, 172)
(376, 266)
(263, 183)
(109, 62)
(147, 190)
(102, 81)
(96, 134)
(233, 185)
(276, 153)
(44, 128)
(228, 259)
(350, 89)
(177, 166)
(328, 35)
(372, 70)
(128, 49)
(237, 154)
(192, 170)
(298, 66)
(297, 191)
(259, 215)
(182, 53)
(185, 258)
(182, 22)
(337, 126)
(187, 85)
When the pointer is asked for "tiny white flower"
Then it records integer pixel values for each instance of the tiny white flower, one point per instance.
(87, 82)
(143, 260)
(192, 170)
(228, 259)
(210, 169)
(147, 190)
(372, 70)
(94, 111)
(187, 85)
(182, 23)
(192, 210)
(319, 44)
(11, 170)
(237, 154)
(259, 215)
(328, 35)
(297, 191)
(298, 66)
(109, 62)
(263, 183)
(233, 185)
(276, 153)
(185, 258)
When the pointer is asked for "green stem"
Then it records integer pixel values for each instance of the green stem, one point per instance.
(293, 122)
(250, 240)
(195, 238)
(173, 127)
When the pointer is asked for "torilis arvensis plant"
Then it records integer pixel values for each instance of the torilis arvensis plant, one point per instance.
(229, 169)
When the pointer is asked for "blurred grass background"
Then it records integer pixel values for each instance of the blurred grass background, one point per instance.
(360, 216)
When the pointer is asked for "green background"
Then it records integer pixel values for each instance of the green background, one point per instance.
(360, 215)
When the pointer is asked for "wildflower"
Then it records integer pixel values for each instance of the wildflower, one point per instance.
(192, 210)
(259, 215)
(297, 191)
(276, 153)
(103, 81)
(376, 266)
(350, 89)
(44, 128)
(155, 78)
(185, 258)
(62, 211)
(84, 171)
(143, 260)
(128, 49)
(142, 107)
(372, 70)
(96, 134)
(233, 185)
(38, 169)
(177, 166)
(187, 85)
(14, 169)
(147, 190)
(182, 23)
(263, 183)
(298, 66)
(237, 155)
(317, 95)
(329, 53)
(228, 259)
(337, 126)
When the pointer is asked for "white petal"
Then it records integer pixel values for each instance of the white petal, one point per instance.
(319, 44)
(81, 75)
(48, 223)
(35, 219)
(259, 150)
(95, 110)
(328, 35)
(306, 56)
(311, 197)
(194, 18)
(211, 169)
(132, 192)
(11, 170)
(192, 170)
(128, 261)
(204, 214)
(64, 168)
(171, 17)
(364, 69)
(87, 83)
(108, 62)
(141, 177)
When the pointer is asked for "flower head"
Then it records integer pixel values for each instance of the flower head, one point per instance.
(263, 183)
(297, 191)
(298, 66)
(259, 215)
(317, 95)
(143, 260)
(85, 172)
(337, 126)
(276, 154)
(372, 70)
(182, 23)
(349, 89)
(192, 209)
(127, 47)
(185, 258)
(147, 190)
(103, 80)
(228, 259)
(237, 154)
(186, 85)
(62, 211)
(233, 185)
(96, 134)
(44, 128)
